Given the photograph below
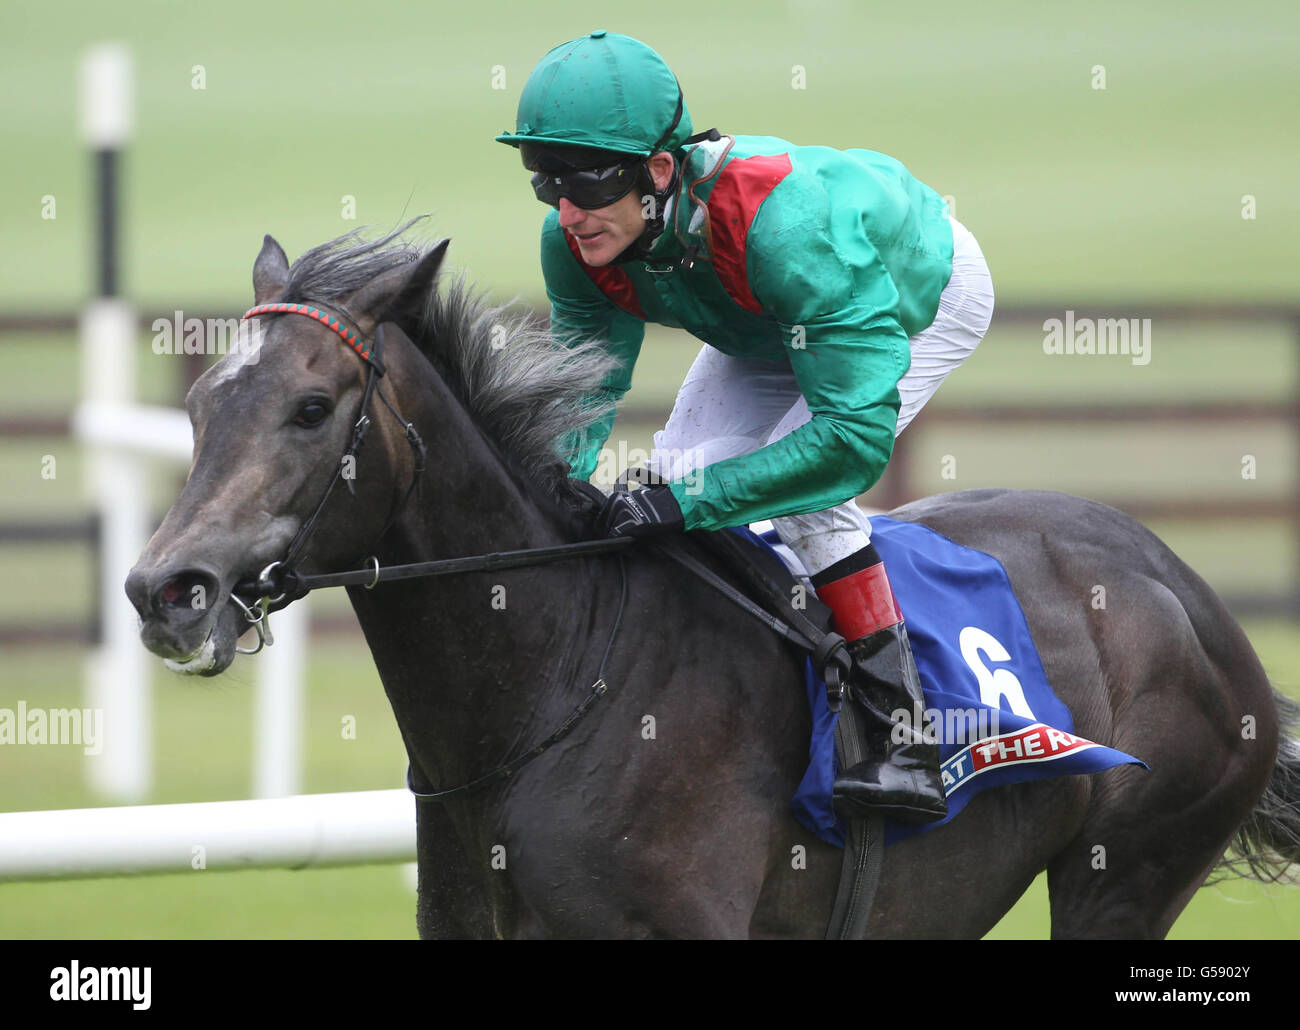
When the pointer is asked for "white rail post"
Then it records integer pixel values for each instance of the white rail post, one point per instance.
(278, 712)
(122, 439)
(117, 676)
(353, 828)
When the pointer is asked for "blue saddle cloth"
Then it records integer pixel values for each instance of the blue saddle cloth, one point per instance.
(987, 699)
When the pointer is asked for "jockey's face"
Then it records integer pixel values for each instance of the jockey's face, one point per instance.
(603, 233)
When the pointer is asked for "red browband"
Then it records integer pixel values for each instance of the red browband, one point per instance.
(345, 332)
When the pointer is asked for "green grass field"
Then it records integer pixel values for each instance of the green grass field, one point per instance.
(1075, 192)
(1123, 196)
(202, 739)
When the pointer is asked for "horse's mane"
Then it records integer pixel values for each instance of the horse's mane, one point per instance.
(520, 385)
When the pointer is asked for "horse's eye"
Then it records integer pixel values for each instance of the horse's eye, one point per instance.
(311, 414)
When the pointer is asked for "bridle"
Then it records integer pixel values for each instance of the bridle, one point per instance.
(272, 579)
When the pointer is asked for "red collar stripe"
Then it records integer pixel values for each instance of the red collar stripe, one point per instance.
(612, 281)
(739, 192)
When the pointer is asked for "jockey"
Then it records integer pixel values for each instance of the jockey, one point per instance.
(833, 293)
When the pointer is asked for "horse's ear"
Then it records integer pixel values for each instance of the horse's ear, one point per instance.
(401, 292)
(415, 292)
(270, 272)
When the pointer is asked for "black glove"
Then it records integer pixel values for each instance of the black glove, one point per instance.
(643, 512)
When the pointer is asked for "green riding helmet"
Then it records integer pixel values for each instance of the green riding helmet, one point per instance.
(603, 91)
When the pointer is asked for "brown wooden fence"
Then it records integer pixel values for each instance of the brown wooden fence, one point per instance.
(899, 484)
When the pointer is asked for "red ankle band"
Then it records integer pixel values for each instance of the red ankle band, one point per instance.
(862, 603)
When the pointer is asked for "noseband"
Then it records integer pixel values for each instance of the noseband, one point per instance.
(271, 580)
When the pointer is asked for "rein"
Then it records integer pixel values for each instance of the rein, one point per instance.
(299, 585)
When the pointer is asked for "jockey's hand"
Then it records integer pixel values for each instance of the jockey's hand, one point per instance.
(645, 512)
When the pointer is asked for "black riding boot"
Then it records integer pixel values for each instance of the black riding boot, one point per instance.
(901, 778)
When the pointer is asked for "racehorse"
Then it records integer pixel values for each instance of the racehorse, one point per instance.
(665, 812)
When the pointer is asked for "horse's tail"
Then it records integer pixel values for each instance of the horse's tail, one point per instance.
(1268, 842)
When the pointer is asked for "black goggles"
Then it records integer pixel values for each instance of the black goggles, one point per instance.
(589, 188)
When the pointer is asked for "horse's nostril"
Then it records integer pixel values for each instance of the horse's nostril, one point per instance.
(190, 590)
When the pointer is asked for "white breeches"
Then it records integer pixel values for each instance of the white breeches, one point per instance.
(731, 406)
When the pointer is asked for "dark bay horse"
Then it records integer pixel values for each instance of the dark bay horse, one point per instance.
(666, 811)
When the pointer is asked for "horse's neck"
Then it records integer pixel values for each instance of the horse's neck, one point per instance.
(474, 663)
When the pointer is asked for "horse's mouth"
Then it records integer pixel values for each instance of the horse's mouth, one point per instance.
(200, 662)
(213, 653)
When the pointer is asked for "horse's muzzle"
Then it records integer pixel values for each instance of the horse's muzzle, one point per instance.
(179, 610)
